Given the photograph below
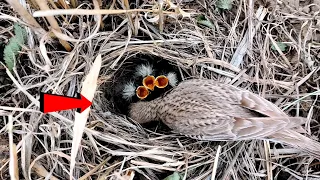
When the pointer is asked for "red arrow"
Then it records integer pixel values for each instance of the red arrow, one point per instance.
(53, 102)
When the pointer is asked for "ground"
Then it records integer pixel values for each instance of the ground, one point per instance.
(268, 47)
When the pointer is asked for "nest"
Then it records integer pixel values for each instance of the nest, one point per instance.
(113, 145)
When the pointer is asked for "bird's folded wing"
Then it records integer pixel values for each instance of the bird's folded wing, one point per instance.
(260, 127)
(241, 128)
(256, 103)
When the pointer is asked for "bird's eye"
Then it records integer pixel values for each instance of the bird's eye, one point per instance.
(161, 81)
(142, 92)
(149, 82)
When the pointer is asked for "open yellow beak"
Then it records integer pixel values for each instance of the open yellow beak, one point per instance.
(161, 81)
(142, 92)
(149, 82)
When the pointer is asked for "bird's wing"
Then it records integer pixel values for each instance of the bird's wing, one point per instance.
(199, 127)
(236, 128)
(262, 127)
(233, 95)
(213, 111)
(259, 104)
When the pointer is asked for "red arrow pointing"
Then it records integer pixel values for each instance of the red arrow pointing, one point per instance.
(53, 102)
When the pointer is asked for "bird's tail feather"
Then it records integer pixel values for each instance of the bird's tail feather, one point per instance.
(299, 141)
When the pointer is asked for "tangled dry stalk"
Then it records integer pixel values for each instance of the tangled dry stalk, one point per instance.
(237, 50)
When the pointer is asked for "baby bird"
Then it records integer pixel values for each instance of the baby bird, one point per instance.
(127, 85)
(209, 110)
(144, 80)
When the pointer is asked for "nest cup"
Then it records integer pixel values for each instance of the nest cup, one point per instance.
(130, 130)
(126, 74)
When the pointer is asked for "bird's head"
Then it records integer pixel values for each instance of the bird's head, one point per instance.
(149, 82)
(142, 92)
(144, 70)
(161, 81)
(143, 111)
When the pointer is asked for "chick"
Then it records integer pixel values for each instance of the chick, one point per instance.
(159, 84)
(142, 92)
(164, 83)
(129, 91)
(173, 79)
(149, 82)
(125, 87)
(209, 110)
(144, 70)
(161, 81)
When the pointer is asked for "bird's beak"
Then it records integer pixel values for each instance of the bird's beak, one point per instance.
(142, 92)
(161, 81)
(149, 82)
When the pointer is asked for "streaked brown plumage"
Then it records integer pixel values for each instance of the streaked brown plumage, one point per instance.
(209, 110)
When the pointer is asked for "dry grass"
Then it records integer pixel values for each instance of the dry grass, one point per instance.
(237, 50)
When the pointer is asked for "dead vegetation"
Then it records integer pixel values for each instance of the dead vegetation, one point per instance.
(268, 47)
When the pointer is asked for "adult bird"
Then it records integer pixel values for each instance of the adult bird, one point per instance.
(209, 110)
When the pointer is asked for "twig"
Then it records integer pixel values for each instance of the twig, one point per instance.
(26, 15)
(54, 24)
(226, 173)
(42, 13)
(13, 165)
(215, 164)
(237, 58)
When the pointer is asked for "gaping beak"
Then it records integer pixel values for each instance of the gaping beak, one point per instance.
(161, 81)
(149, 82)
(142, 92)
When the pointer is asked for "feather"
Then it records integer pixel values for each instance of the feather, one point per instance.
(209, 110)
(299, 141)
(173, 80)
(129, 90)
(259, 104)
(144, 70)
